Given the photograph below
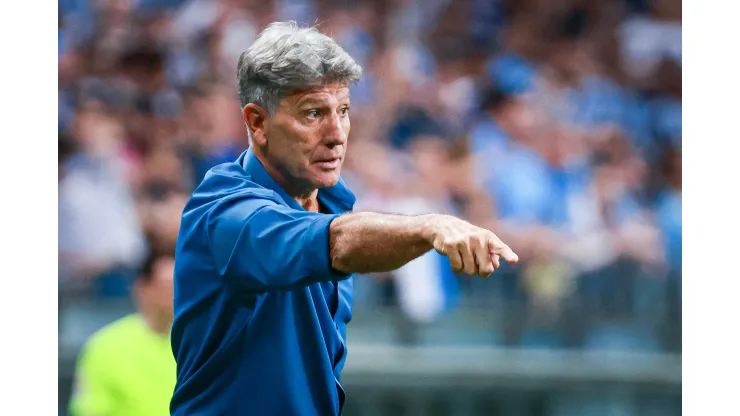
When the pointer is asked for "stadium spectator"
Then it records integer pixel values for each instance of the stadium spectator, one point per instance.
(557, 117)
(127, 367)
(550, 121)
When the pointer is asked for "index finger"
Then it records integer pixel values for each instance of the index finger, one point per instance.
(496, 246)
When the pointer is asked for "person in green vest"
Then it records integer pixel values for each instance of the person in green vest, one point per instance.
(127, 368)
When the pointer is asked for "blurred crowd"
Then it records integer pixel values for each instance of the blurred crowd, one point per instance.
(556, 123)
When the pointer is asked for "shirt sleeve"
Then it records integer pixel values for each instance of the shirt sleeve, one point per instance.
(261, 246)
(93, 394)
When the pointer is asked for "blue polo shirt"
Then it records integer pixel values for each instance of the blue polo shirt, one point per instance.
(260, 315)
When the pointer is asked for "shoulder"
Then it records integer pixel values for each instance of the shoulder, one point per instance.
(227, 183)
(113, 336)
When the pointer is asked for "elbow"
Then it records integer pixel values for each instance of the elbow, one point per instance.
(339, 251)
(339, 259)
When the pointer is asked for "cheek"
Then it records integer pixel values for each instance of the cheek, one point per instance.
(346, 126)
(293, 140)
(166, 296)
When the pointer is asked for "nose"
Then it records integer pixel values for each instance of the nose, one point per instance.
(337, 129)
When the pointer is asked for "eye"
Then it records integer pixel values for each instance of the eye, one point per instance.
(312, 113)
(344, 111)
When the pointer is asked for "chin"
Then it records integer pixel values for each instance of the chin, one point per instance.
(327, 179)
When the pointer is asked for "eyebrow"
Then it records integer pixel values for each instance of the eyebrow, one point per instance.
(313, 100)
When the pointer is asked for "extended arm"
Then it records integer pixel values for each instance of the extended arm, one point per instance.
(261, 246)
(370, 242)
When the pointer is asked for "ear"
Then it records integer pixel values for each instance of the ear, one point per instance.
(255, 117)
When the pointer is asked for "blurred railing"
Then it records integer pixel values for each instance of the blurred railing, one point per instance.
(496, 352)
(385, 380)
(603, 311)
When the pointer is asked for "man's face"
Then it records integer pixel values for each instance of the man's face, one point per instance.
(158, 293)
(306, 139)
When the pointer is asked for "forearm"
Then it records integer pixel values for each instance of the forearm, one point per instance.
(371, 243)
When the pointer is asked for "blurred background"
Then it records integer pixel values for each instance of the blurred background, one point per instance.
(555, 123)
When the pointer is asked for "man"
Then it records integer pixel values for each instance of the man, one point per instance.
(268, 244)
(127, 367)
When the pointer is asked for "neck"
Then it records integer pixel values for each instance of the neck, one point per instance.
(159, 323)
(305, 195)
(309, 203)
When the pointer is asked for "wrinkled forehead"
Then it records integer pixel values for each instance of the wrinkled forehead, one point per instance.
(328, 93)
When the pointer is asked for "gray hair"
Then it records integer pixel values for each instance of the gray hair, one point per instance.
(286, 57)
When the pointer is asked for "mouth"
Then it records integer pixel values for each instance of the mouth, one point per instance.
(329, 163)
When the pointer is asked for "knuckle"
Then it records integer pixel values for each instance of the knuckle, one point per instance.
(449, 242)
(480, 239)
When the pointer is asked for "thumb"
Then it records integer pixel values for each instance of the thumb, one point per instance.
(439, 246)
